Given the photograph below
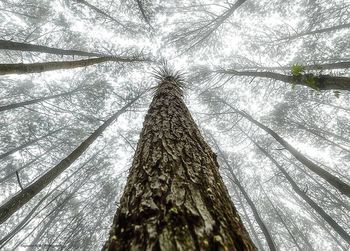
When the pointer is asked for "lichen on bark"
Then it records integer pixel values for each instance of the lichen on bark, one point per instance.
(175, 198)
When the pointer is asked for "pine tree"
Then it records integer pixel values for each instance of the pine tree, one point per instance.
(175, 198)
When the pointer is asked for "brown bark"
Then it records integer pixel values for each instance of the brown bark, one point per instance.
(59, 65)
(319, 82)
(21, 198)
(17, 46)
(175, 198)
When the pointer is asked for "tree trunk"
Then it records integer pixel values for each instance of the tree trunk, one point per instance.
(319, 222)
(314, 32)
(175, 198)
(21, 198)
(52, 66)
(329, 66)
(29, 143)
(280, 217)
(250, 223)
(330, 178)
(16, 46)
(34, 101)
(268, 237)
(318, 82)
(336, 227)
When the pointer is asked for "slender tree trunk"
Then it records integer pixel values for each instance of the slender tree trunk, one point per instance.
(336, 227)
(319, 82)
(279, 215)
(29, 143)
(21, 198)
(34, 101)
(175, 198)
(324, 189)
(59, 65)
(16, 46)
(329, 66)
(317, 134)
(319, 222)
(251, 226)
(268, 237)
(314, 32)
(330, 178)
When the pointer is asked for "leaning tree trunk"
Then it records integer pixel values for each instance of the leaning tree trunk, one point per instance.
(16, 46)
(26, 194)
(60, 65)
(175, 198)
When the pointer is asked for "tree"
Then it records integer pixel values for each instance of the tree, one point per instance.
(50, 66)
(27, 193)
(164, 205)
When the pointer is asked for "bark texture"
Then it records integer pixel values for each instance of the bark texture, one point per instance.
(175, 198)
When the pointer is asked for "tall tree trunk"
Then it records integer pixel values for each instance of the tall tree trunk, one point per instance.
(16, 46)
(319, 222)
(25, 195)
(336, 227)
(268, 237)
(319, 82)
(34, 101)
(59, 65)
(251, 226)
(29, 143)
(280, 217)
(317, 134)
(175, 198)
(314, 32)
(329, 66)
(330, 178)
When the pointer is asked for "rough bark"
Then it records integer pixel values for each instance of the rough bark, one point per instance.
(34, 101)
(336, 227)
(16, 46)
(342, 187)
(175, 198)
(319, 82)
(25, 195)
(59, 65)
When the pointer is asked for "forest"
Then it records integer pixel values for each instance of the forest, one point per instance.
(175, 125)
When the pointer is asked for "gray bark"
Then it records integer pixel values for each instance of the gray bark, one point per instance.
(174, 198)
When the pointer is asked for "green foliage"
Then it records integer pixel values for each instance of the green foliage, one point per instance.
(311, 82)
(336, 94)
(297, 69)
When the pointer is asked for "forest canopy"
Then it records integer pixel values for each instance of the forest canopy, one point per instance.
(267, 83)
